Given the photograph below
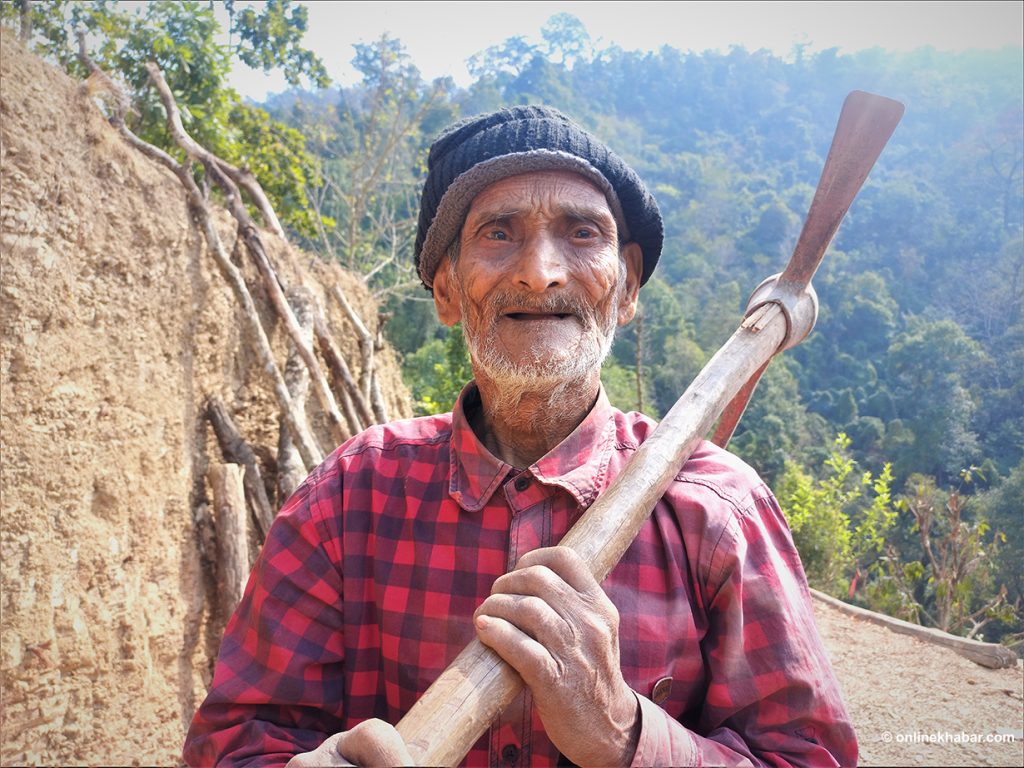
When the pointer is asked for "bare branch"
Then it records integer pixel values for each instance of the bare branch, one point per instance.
(232, 537)
(365, 339)
(121, 102)
(236, 450)
(311, 453)
(255, 246)
(290, 469)
(352, 398)
(25, 31)
(305, 350)
(242, 177)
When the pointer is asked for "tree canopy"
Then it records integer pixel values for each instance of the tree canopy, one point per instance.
(918, 357)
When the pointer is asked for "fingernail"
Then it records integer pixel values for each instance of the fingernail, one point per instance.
(481, 622)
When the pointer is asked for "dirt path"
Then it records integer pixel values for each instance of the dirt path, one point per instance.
(920, 691)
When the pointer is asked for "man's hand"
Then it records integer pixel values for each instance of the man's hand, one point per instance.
(371, 743)
(552, 622)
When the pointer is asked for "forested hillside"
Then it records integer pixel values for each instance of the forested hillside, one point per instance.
(902, 412)
(894, 436)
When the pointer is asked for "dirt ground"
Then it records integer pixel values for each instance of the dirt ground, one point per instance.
(901, 692)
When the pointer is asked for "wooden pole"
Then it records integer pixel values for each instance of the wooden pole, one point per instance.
(235, 450)
(369, 388)
(290, 469)
(232, 534)
(304, 348)
(357, 412)
(365, 340)
(991, 655)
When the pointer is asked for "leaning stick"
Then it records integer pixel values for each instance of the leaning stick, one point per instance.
(307, 446)
(235, 450)
(369, 385)
(356, 411)
(303, 347)
(456, 710)
(291, 470)
(365, 340)
(254, 244)
(232, 534)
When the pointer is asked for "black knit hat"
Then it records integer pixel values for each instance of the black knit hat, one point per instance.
(478, 151)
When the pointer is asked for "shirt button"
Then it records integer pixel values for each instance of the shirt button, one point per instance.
(522, 483)
(662, 689)
(509, 753)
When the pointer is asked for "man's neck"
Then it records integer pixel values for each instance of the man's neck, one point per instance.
(520, 431)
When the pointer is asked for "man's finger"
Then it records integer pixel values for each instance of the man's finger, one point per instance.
(533, 616)
(525, 655)
(374, 743)
(565, 563)
(537, 580)
(324, 756)
(559, 577)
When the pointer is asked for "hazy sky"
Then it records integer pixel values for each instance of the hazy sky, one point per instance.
(440, 36)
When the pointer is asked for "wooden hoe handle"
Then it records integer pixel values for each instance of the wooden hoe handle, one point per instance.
(461, 704)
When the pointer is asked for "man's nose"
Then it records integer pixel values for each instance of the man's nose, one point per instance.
(541, 265)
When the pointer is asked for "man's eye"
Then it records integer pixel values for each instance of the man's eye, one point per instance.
(584, 234)
(497, 234)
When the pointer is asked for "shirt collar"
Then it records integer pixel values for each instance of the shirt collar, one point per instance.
(579, 464)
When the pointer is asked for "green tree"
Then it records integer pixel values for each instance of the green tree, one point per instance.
(183, 39)
(277, 155)
(815, 511)
(504, 61)
(437, 372)
(777, 428)
(1001, 506)
(841, 520)
(933, 364)
(952, 585)
(644, 345)
(271, 38)
(619, 384)
(566, 39)
(371, 141)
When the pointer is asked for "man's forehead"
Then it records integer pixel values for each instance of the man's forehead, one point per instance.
(558, 192)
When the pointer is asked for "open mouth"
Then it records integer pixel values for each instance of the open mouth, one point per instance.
(538, 315)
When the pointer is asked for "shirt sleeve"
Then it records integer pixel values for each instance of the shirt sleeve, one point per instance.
(772, 698)
(278, 683)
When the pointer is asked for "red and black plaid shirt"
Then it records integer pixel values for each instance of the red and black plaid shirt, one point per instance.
(368, 580)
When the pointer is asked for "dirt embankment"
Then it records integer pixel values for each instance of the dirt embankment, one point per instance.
(115, 325)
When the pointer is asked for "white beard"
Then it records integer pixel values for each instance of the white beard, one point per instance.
(551, 371)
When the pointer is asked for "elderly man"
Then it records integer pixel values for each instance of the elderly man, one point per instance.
(699, 648)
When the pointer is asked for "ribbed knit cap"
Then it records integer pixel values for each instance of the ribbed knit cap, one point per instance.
(481, 150)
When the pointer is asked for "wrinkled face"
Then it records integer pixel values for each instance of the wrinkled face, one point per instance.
(540, 282)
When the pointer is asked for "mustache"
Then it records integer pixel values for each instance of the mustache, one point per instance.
(553, 304)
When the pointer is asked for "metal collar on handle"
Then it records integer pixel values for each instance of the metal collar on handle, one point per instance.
(798, 302)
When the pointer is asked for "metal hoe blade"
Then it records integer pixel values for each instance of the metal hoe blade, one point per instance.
(865, 125)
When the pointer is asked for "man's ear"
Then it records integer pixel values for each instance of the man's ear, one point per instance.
(446, 299)
(633, 257)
